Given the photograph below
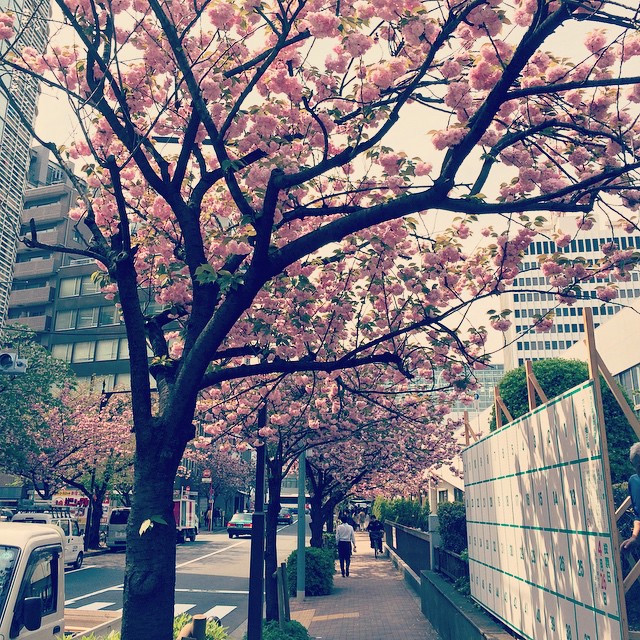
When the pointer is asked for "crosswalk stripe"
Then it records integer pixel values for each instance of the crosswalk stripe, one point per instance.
(95, 606)
(219, 611)
(181, 608)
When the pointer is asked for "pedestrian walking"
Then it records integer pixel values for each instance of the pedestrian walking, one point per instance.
(346, 539)
(361, 518)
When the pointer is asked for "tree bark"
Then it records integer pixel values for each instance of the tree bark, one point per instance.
(93, 527)
(317, 521)
(271, 529)
(149, 583)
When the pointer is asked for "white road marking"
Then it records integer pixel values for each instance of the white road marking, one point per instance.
(219, 611)
(83, 568)
(208, 555)
(181, 608)
(211, 591)
(95, 606)
(178, 566)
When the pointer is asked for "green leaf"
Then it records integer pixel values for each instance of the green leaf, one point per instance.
(158, 519)
(145, 526)
(206, 274)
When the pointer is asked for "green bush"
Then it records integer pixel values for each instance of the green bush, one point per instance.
(409, 513)
(292, 631)
(318, 574)
(213, 631)
(453, 526)
(329, 543)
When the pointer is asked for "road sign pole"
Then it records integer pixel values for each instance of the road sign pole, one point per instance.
(256, 565)
(302, 523)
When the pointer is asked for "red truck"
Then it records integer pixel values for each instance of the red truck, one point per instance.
(184, 513)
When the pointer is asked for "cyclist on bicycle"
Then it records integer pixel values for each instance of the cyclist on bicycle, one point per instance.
(376, 532)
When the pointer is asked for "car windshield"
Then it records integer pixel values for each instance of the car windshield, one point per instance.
(8, 558)
(284, 512)
(241, 517)
(119, 516)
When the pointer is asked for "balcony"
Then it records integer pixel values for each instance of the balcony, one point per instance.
(26, 297)
(35, 323)
(47, 213)
(47, 237)
(22, 270)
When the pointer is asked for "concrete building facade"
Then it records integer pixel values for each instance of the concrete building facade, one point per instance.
(18, 99)
(529, 299)
(54, 294)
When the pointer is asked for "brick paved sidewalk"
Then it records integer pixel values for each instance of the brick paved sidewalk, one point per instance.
(374, 603)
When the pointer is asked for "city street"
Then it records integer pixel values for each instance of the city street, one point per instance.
(212, 577)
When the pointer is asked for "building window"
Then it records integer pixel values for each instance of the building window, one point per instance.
(88, 317)
(458, 495)
(443, 495)
(123, 382)
(83, 351)
(78, 286)
(69, 287)
(65, 320)
(124, 349)
(88, 286)
(109, 315)
(107, 350)
(62, 351)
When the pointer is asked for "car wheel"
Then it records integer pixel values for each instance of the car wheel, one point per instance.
(78, 563)
(231, 535)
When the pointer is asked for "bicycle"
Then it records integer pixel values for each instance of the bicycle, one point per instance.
(376, 542)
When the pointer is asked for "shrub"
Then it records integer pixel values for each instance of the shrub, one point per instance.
(213, 630)
(409, 513)
(453, 526)
(292, 630)
(329, 543)
(319, 570)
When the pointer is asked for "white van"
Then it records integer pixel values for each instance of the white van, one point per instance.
(117, 528)
(74, 540)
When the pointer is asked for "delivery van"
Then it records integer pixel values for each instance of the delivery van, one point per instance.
(117, 528)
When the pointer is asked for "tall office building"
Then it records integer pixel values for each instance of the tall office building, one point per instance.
(529, 299)
(18, 99)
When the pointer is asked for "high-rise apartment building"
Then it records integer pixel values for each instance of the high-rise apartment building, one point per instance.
(529, 299)
(18, 99)
(53, 293)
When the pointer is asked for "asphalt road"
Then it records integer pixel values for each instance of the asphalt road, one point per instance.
(212, 577)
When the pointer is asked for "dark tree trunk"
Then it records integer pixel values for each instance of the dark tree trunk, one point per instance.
(93, 527)
(317, 521)
(328, 515)
(149, 582)
(271, 529)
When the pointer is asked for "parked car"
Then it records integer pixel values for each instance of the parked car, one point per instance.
(239, 525)
(285, 516)
(117, 528)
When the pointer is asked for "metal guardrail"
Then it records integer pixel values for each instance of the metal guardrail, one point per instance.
(412, 545)
(450, 564)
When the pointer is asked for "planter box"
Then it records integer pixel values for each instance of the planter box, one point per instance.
(454, 616)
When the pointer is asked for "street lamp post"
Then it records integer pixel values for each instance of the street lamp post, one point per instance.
(256, 565)
(302, 522)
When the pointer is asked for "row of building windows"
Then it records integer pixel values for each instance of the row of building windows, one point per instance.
(547, 345)
(92, 351)
(583, 244)
(536, 297)
(109, 382)
(556, 328)
(602, 310)
(87, 318)
(78, 286)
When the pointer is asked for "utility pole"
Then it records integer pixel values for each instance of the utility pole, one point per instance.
(256, 565)
(302, 525)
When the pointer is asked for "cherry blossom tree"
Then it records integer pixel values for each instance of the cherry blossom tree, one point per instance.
(246, 167)
(82, 442)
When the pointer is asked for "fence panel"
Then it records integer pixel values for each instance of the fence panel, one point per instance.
(412, 545)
